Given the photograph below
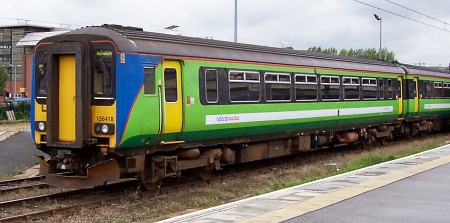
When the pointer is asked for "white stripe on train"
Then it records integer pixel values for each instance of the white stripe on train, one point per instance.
(287, 115)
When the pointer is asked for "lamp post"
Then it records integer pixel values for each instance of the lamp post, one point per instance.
(379, 19)
(235, 21)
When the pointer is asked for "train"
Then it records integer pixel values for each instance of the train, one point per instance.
(112, 102)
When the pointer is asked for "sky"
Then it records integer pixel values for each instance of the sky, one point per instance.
(342, 24)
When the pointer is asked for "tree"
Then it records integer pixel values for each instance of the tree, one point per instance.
(3, 79)
(370, 53)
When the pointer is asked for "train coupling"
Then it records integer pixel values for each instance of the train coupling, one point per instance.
(96, 175)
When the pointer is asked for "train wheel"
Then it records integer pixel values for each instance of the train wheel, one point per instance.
(383, 141)
(143, 178)
(204, 173)
(151, 186)
(368, 142)
(408, 133)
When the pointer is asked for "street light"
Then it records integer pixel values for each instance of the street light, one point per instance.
(235, 21)
(379, 19)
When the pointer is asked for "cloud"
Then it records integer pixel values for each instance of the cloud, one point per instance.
(325, 23)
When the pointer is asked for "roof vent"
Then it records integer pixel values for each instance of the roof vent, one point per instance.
(115, 26)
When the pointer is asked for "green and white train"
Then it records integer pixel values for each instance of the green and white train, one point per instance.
(111, 102)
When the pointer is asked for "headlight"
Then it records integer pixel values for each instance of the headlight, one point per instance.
(40, 126)
(104, 128)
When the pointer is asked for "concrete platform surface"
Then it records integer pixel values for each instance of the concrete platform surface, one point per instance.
(17, 152)
(288, 204)
(420, 198)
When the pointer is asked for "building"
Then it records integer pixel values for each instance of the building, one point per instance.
(16, 58)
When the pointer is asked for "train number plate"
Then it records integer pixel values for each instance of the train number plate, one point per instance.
(105, 119)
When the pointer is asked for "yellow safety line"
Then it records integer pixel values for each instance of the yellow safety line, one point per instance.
(338, 196)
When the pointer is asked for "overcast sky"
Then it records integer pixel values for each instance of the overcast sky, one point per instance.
(304, 23)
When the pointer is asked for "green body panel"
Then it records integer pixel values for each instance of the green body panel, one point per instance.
(143, 123)
(428, 107)
(196, 128)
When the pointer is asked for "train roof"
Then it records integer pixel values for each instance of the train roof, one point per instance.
(132, 39)
(426, 71)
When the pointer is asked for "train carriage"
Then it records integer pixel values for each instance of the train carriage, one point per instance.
(111, 102)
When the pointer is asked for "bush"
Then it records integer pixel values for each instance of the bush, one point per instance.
(21, 111)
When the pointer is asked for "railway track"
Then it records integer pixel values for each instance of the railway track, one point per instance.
(65, 194)
(15, 185)
(13, 182)
(15, 189)
(233, 173)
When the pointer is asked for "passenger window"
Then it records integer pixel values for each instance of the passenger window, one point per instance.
(149, 80)
(211, 86)
(369, 88)
(305, 87)
(437, 90)
(390, 89)
(170, 85)
(381, 88)
(424, 89)
(330, 87)
(278, 87)
(351, 88)
(446, 90)
(244, 86)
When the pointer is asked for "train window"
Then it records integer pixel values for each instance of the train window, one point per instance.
(390, 89)
(425, 89)
(244, 86)
(278, 87)
(305, 87)
(381, 88)
(416, 87)
(149, 80)
(411, 90)
(41, 74)
(446, 90)
(437, 90)
(211, 86)
(350, 88)
(330, 88)
(369, 88)
(102, 77)
(170, 85)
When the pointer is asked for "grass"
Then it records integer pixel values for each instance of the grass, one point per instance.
(316, 173)
(3, 175)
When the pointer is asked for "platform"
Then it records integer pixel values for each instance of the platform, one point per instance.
(405, 190)
(17, 153)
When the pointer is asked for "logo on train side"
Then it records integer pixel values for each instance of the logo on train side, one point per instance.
(227, 118)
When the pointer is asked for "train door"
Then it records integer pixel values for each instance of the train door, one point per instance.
(67, 96)
(172, 100)
(416, 95)
(400, 95)
(67, 91)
